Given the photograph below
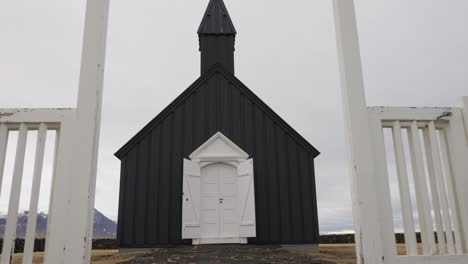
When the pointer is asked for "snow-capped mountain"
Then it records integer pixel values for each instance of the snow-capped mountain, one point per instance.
(103, 226)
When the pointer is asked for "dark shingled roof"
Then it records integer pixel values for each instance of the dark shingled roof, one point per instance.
(216, 20)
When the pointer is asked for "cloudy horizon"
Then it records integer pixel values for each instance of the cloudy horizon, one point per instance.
(414, 54)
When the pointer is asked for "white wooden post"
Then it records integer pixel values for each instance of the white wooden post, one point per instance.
(458, 153)
(88, 122)
(452, 200)
(3, 149)
(462, 166)
(79, 150)
(465, 114)
(57, 231)
(369, 241)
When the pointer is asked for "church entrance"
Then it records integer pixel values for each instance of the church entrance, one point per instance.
(218, 194)
(219, 209)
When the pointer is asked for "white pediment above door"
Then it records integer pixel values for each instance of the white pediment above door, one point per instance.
(218, 194)
(219, 147)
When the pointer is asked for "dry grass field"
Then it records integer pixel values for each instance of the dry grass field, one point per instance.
(339, 254)
(99, 257)
(346, 253)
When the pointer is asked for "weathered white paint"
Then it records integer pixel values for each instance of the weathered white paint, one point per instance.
(246, 199)
(455, 215)
(34, 117)
(434, 191)
(218, 194)
(3, 149)
(12, 218)
(367, 163)
(74, 245)
(436, 161)
(57, 119)
(447, 259)
(458, 153)
(447, 192)
(34, 200)
(405, 196)
(366, 211)
(75, 161)
(383, 186)
(60, 194)
(406, 115)
(191, 200)
(464, 105)
(88, 120)
(422, 196)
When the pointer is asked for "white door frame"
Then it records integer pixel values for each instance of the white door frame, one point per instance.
(218, 149)
(221, 239)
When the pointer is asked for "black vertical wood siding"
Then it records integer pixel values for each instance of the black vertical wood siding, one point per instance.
(150, 206)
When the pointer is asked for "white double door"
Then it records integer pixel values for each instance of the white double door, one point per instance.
(219, 214)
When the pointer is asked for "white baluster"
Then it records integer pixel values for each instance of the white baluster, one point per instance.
(36, 186)
(405, 196)
(422, 196)
(451, 192)
(435, 194)
(436, 161)
(383, 185)
(12, 218)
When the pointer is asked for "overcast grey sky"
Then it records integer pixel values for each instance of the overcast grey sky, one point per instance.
(415, 53)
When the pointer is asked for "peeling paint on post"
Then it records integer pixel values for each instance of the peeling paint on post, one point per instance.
(365, 198)
(465, 114)
(5, 114)
(79, 178)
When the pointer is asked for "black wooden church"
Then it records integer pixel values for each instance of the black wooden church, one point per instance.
(217, 165)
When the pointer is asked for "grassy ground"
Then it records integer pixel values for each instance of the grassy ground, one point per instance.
(99, 257)
(340, 254)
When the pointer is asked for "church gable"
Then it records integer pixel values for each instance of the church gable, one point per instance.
(220, 102)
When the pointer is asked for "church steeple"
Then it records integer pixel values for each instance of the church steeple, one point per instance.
(217, 37)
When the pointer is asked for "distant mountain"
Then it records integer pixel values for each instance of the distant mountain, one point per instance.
(103, 226)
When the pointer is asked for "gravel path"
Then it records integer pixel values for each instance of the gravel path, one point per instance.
(226, 254)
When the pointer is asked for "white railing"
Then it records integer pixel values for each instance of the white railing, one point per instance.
(71, 208)
(24, 121)
(438, 149)
(434, 136)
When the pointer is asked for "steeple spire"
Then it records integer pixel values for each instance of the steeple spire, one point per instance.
(217, 37)
(216, 20)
